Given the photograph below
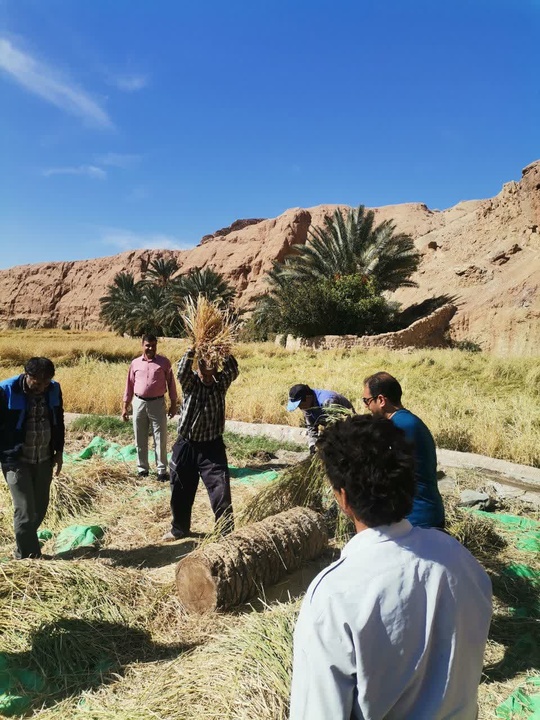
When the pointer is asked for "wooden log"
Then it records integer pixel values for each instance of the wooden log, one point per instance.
(223, 574)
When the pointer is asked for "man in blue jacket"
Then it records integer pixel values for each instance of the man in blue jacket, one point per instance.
(317, 406)
(382, 397)
(31, 444)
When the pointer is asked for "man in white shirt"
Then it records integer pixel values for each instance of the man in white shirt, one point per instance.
(396, 628)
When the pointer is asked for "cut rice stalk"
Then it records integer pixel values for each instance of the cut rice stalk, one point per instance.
(211, 330)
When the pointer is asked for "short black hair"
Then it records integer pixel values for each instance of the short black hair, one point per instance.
(299, 392)
(382, 383)
(39, 367)
(149, 337)
(372, 461)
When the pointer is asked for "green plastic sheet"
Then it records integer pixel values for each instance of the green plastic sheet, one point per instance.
(526, 531)
(114, 452)
(107, 450)
(523, 703)
(524, 572)
(99, 447)
(249, 476)
(76, 536)
(519, 572)
(13, 683)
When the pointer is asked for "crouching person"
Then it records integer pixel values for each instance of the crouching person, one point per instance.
(31, 445)
(199, 449)
(395, 629)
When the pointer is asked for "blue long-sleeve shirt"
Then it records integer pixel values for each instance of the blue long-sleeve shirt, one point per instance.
(428, 508)
(316, 415)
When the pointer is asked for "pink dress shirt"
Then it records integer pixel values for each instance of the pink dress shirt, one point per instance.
(150, 379)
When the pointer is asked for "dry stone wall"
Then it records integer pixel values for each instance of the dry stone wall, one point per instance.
(426, 332)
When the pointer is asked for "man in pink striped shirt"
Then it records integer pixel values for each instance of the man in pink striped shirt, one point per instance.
(149, 378)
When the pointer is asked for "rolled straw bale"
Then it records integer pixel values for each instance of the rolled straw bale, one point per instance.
(223, 574)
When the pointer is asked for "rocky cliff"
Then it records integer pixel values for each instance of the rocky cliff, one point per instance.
(486, 253)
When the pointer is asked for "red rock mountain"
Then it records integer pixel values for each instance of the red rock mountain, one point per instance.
(484, 252)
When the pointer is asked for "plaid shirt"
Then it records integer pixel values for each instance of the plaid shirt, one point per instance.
(202, 415)
(37, 440)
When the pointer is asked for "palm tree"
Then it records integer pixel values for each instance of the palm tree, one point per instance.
(351, 244)
(117, 306)
(155, 312)
(205, 282)
(161, 271)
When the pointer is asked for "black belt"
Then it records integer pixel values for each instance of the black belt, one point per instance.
(158, 397)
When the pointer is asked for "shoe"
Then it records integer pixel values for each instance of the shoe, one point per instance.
(142, 473)
(169, 537)
(163, 477)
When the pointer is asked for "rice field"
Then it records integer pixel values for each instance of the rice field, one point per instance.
(98, 634)
(471, 401)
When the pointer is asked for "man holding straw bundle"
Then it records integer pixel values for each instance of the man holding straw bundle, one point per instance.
(199, 449)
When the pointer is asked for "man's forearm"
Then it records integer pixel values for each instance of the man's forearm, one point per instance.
(185, 366)
(125, 410)
(312, 433)
(230, 371)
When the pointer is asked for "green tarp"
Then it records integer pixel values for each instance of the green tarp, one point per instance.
(107, 450)
(13, 683)
(520, 573)
(248, 476)
(44, 535)
(76, 536)
(525, 530)
(523, 703)
(99, 447)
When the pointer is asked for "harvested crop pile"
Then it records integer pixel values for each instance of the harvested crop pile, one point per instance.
(223, 574)
(304, 484)
(211, 329)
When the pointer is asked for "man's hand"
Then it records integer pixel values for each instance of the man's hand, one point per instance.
(58, 460)
(172, 411)
(125, 413)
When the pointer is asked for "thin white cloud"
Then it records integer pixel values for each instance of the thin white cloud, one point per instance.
(129, 83)
(45, 82)
(129, 240)
(119, 160)
(89, 170)
(137, 194)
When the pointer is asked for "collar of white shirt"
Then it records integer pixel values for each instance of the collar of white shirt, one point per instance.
(379, 534)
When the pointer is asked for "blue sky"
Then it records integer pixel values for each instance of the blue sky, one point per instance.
(149, 124)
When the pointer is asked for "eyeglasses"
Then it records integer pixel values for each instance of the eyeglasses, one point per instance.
(367, 400)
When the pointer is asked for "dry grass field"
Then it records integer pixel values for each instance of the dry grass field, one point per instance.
(471, 401)
(104, 638)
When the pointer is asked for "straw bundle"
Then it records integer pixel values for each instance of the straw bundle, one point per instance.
(211, 330)
(478, 534)
(79, 488)
(33, 593)
(303, 484)
(224, 574)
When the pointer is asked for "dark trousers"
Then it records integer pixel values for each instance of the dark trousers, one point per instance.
(29, 484)
(189, 460)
